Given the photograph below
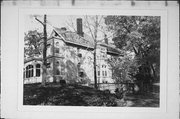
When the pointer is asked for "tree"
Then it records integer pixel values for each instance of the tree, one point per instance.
(138, 35)
(93, 26)
(92, 23)
(44, 66)
(32, 41)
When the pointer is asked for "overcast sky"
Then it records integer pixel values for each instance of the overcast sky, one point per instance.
(52, 21)
(57, 21)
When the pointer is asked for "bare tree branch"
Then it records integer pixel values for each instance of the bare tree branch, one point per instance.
(89, 27)
(71, 25)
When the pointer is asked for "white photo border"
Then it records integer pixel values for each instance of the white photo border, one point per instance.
(12, 90)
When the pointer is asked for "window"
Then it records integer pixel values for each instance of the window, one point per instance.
(105, 73)
(57, 44)
(103, 66)
(81, 74)
(60, 67)
(29, 71)
(79, 55)
(103, 56)
(98, 73)
(57, 63)
(38, 70)
(57, 47)
(48, 65)
(24, 72)
(56, 50)
(27, 75)
(57, 72)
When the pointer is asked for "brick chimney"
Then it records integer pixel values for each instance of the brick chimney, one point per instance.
(105, 39)
(79, 27)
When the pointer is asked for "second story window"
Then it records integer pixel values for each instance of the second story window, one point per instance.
(57, 72)
(57, 47)
(56, 50)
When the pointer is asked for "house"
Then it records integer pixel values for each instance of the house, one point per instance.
(70, 58)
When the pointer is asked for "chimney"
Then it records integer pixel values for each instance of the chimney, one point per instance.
(79, 27)
(105, 39)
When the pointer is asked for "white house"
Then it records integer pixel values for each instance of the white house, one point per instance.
(70, 58)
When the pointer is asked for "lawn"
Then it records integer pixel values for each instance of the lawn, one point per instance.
(77, 95)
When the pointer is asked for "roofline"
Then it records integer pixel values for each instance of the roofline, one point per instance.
(74, 44)
(66, 41)
(29, 60)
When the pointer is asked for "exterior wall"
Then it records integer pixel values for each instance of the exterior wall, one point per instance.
(64, 63)
(104, 74)
(87, 64)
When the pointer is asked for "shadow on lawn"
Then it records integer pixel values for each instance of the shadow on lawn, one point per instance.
(69, 95)
(77, 95)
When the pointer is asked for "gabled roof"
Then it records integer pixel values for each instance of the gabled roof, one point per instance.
(73, 38)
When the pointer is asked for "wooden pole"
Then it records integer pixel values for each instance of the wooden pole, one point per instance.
(44, 67)
(95, 46)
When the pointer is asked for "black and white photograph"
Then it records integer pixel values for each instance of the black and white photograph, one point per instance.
(91, 60)
(84, 59)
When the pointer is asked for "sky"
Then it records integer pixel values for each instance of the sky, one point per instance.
(59, 21)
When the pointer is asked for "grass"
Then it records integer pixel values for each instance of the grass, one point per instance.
(69, 95)
(77, 95)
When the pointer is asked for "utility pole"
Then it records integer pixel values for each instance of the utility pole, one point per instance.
(44, 65)
(95, 47)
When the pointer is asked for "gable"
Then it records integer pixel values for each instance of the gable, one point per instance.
(72, 38)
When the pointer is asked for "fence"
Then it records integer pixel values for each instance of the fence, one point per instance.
(112, 86)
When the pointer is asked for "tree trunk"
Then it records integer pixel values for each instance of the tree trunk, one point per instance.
(154, 72)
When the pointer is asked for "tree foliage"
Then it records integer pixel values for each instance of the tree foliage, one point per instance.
(33, 43)
(138, 35)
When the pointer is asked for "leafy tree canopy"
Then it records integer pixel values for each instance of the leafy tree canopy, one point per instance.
(33, 43)
(138, 35)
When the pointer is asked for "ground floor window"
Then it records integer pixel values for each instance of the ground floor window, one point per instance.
(60, 68)
(29, 71)
(38, 70)
(98, 73)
